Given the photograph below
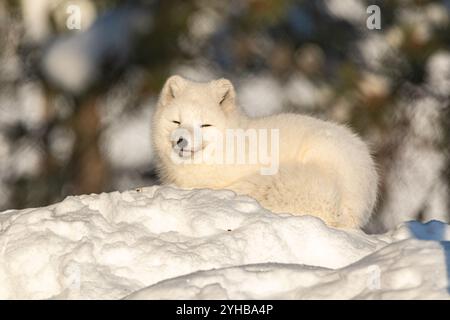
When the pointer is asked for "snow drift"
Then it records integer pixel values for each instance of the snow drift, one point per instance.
(162, 242)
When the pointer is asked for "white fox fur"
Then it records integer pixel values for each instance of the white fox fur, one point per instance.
(325, 170)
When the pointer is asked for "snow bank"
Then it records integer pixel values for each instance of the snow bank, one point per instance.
(161, 242)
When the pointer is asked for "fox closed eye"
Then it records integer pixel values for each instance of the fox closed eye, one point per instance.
(202, 126)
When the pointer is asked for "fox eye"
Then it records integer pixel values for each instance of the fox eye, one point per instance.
(205, 125)
(177, 122)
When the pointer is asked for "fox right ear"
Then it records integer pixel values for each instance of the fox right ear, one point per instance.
(172, 88)
(225, 94)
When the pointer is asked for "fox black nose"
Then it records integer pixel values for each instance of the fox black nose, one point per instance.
(182, 143)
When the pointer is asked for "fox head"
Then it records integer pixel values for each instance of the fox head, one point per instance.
(188, 114)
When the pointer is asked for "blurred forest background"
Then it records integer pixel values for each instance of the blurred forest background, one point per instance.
(75, 104)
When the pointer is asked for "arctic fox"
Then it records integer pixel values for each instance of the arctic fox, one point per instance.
(321, 168)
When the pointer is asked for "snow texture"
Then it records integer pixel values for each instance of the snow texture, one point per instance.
(162, 242)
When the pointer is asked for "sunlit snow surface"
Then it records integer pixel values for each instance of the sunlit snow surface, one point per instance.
(166, 243)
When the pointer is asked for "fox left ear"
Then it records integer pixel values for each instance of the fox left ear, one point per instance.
(225, 94)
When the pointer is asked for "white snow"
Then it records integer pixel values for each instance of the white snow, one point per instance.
(163, 242)
(438, 73)
(119, 142)
(351, 10)
(417, 158)
(260, 95)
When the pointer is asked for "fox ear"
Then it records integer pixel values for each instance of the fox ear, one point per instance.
(172, 88)
(225, 94)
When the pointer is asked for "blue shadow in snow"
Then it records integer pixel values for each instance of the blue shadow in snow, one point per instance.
(433, 231)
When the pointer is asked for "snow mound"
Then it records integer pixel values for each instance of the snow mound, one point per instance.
(162, 242)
